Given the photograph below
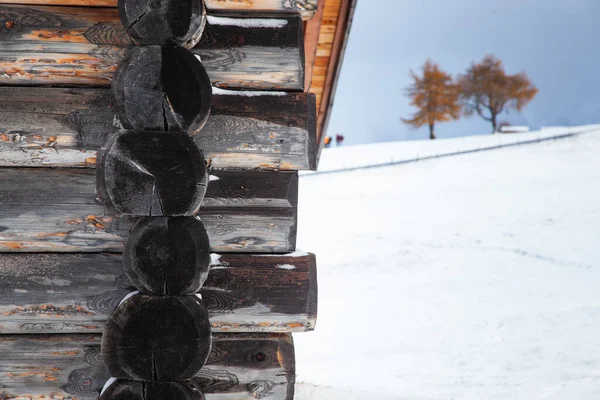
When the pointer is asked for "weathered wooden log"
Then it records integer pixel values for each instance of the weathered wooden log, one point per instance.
(64, 127)
(167, 256)
(240, 367)
(306, 8)
(163, 22)
(57, 211)
(83, 46)
(162, 89)
(157, 338)
(41, 293)
(151, 174)
(135, 390)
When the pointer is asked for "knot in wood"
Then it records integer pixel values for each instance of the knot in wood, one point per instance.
(163, 22)
(157, 338)
(167, 256)
(132, 390)
(151, 174)
(162, 89)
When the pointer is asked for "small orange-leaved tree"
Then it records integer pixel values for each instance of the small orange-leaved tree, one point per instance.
(487, 90)
(435, 95)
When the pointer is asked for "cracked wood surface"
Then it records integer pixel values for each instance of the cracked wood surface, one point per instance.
(152, 174)
(240, 367)
(56, 210)
(305, 8)
(82, 46)
(157, 338)
(122, 389)
(162, 88)
(59, 127)
(76, 293)
(163, 23)
(167, 256)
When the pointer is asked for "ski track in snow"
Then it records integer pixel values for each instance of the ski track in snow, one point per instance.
(470, 277)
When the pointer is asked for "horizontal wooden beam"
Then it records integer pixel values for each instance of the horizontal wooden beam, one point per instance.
(60, 127)
(304, 8)
(83, 46)
(56, 210)
(76, 293)
(240, 367)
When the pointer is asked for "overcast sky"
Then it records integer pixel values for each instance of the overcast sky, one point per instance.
(554, 41)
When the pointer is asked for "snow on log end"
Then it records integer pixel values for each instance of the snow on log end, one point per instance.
(246, 93)
(215, 259)
(297, 253)
(286, 266)
(108, 383)
(248, 22)
(130, 295)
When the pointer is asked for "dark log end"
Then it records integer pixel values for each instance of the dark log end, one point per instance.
(162, 89)
(157, 338)
(288, 358)
(313, 293)
(163, 22)
(311, 128)
(167, 256)
(151, 174)
(133, 390)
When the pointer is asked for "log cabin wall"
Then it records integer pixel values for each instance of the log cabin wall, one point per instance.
(61, 265)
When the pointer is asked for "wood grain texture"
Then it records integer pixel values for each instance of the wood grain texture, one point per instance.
(76, 293)
(167, 256)
(166, 22)
(157, 338)
(240, 367)
(333, 36)
(305, 8)
(57, 211)
(312, 31)
(57, 127)
(82, 46)
(162, 88)
(151, 174)
(136, 390)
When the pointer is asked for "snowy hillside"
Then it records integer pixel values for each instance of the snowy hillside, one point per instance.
(396, 152)
(466, 277)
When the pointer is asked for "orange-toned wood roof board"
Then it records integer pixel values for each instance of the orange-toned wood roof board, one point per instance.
(326, 36)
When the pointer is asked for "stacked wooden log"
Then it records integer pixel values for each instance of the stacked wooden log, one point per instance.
(159, 337)
(195, 148)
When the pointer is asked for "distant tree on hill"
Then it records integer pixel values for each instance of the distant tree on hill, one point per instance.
(435, 95)
(487, 90)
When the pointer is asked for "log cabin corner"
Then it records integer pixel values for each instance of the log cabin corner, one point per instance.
(149, 158)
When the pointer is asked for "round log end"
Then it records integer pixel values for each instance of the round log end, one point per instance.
(163, 22)
(157, 338)
(162, 89)
(133, 390)
(151, 174)
(167, 256)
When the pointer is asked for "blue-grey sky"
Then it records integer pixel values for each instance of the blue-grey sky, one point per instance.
(554, 41)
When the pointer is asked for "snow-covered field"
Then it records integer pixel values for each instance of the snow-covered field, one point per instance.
(474, 276)
(338, 158)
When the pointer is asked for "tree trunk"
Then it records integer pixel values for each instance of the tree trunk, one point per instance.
(431, 131)
(494, 123)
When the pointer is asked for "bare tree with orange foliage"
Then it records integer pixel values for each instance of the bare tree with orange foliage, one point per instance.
(435, 95)
(487, 90)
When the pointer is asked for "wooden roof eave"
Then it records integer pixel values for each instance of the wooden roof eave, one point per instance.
(326, 36)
